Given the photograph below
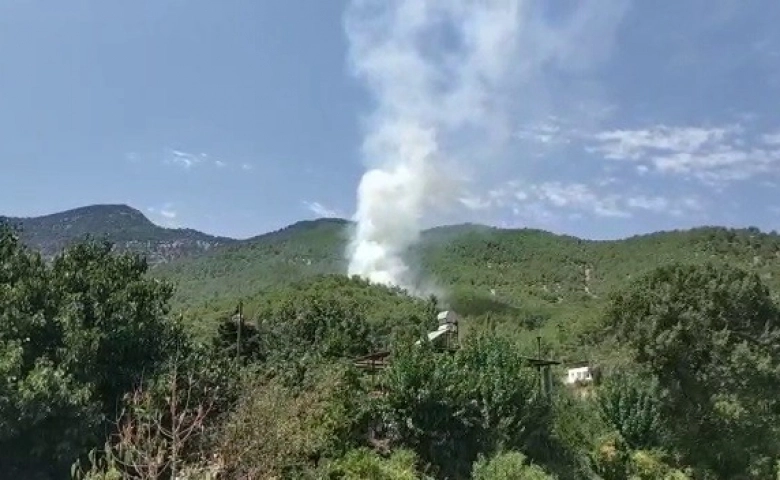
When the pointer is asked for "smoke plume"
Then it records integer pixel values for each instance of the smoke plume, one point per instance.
(435, 70)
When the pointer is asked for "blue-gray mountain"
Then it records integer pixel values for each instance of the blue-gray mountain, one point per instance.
(123, 226)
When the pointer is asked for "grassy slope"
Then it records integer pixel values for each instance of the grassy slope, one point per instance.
(302, 250)
(510, 279)
(490, 275)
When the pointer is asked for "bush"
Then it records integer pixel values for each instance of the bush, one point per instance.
(279, 431)
(709, 335)
(578, 427)
(363, 464)
(614, 460)
(508, 466)
(631, 404)
(450, 407)
(75, 335)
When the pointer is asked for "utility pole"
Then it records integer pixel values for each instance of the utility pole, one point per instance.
(238, 330)
(540, 368)
(545, 380)
(543, 367)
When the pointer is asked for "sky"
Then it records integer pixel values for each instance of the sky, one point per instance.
(239, 117)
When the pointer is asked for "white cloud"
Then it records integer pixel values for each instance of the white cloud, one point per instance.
(548, 199)
(246, 166)
(187, 160)
(546, 133)
(653, 204)
(321, 210)
(663, 205)
(183, 159)
(714, 156)
(475, 203)
(771, 138)
(165, 215)
(635, 144)
(578, 196)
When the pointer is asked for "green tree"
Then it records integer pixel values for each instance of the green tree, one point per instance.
(74, 336)
(508, 466)
(228, 336)
(631, 404)
(296, 332)
(362, 463)
(277, 431)
(709, 334)
(112, 319)
(449, 407)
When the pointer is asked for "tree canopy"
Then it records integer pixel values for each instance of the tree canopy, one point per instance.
(710, 335)
(97, 370)
(75, 335)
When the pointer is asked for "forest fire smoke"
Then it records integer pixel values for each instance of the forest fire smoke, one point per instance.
(434, 70)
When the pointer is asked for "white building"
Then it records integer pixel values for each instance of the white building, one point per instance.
(448, 329)
(579, 373)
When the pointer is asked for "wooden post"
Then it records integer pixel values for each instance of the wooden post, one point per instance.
(238, 330)
(539, 369)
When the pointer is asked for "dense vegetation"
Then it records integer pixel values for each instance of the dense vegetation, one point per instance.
(492, 276)
(126, 228)
(102, 379)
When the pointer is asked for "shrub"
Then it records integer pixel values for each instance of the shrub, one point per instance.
(508, 466)
(362, 464)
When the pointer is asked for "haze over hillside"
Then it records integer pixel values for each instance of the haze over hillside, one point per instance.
(126, 227)
(476, 268)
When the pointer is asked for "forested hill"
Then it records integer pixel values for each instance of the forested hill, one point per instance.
(684, 342)
(124, 226)
(482, 269)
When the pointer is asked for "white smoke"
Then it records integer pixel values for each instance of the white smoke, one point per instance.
(439, 72)
(425, 98)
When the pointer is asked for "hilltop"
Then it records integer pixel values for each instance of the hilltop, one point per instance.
(603, 302)
(480, 271)
(487, 274)
(127, 228)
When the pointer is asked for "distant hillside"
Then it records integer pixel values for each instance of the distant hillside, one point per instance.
(298, 251)
(124, 226)
(482, 269)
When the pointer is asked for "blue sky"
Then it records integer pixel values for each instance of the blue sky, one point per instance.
(243, 116)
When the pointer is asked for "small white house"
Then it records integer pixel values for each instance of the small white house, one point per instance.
(579, 374)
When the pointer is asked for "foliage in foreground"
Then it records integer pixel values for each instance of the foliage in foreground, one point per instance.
(75, 335)
(710, 337)
(631, 405)
(276, 430)
(699, 352)
(508, 466)
(363, 463)
(449, 408)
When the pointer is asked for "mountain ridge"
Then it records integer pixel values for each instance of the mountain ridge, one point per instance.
(481, 268)
(122, 225)
(115, 210)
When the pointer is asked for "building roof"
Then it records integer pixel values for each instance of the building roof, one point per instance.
(578, 364)
(447, 316)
